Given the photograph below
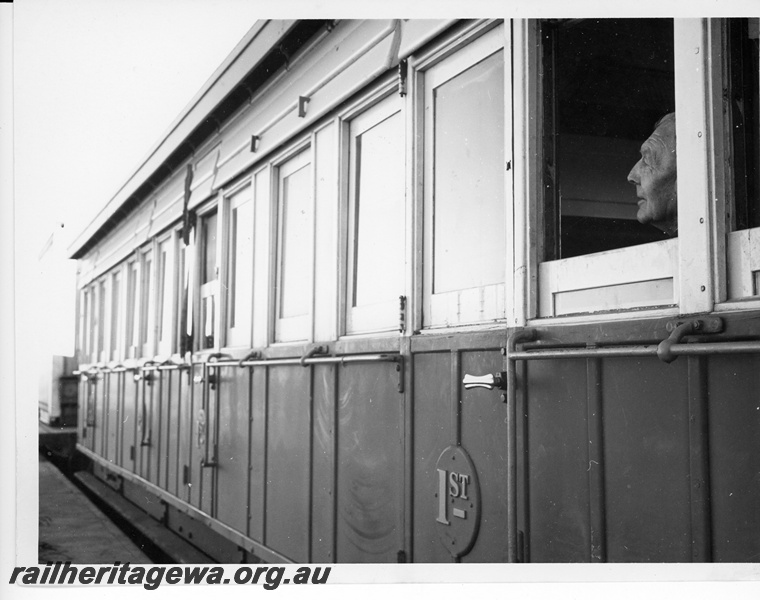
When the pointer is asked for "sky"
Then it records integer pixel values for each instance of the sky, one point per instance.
(96, 85)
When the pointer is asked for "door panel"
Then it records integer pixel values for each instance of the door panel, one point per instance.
(646, 449)
(433, 431)
(484, 437)
(288, 462)
(234, 425)
(557, 462)
(370, 478)
(734, 414)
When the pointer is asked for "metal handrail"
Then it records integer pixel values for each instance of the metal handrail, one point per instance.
(691, 349)
(275, 362)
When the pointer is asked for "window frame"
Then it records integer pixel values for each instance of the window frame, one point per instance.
(742, 246)
(298, 328)
(695, 268)
(147, 331)
(116, 313)
(440, 311)
(233, 198)
(133, 311)
(211, 288)
(165, 293)
(371, 110)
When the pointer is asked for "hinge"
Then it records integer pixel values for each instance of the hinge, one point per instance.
(185, 474)
(402, 76)
(402, 314)
(131, 453)
(401, 556)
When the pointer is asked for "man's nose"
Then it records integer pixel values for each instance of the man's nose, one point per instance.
(633, 176)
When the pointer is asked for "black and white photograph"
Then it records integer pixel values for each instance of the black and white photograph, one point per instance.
(309, 294)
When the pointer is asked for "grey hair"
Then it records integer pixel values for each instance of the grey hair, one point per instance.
(667, 118)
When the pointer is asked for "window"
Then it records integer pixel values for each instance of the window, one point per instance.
(208, 279)
(741, 80)
(294, 249)
(87, 324)
(165, 296)
(464, 185)
(133, 310)
(606, 86)
(147, 311)
(376, 215)
(240, 267)
(100, 323)
(182, 296)
(114, 346)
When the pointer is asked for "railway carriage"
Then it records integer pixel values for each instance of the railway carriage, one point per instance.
(380, 294)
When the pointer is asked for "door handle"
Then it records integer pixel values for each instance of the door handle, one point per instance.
(488, 382)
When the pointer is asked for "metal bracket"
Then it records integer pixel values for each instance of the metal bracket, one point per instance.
(313, 351)
(302, 103)
(253, 355)
(680, 329)
(401, 374)
(212, 381)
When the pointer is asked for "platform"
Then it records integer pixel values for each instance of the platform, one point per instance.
(72, 528)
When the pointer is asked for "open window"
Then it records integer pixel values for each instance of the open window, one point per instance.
(181, 298)
(742, 71)
(464, 180)
(239, 271)
(209, 280)
(376, 217)
(606, 85)
(295, 249)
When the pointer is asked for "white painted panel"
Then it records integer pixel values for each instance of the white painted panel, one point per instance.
(326, 235)
(743, 263)
(261, 258)
(615, 297)
(695, 216)
(638, 264)
(416, 32)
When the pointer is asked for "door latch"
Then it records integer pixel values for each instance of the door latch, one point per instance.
(488, 382)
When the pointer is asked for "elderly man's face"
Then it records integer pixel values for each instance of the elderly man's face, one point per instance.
(655, 178)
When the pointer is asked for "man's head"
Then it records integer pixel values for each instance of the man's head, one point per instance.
(655, 177)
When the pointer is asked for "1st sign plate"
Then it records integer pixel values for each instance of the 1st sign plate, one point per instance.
(458, 501)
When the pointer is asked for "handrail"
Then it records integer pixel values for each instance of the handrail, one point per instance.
(275, 362)
(690, 349)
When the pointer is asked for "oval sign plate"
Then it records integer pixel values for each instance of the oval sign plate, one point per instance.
(458, 501)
